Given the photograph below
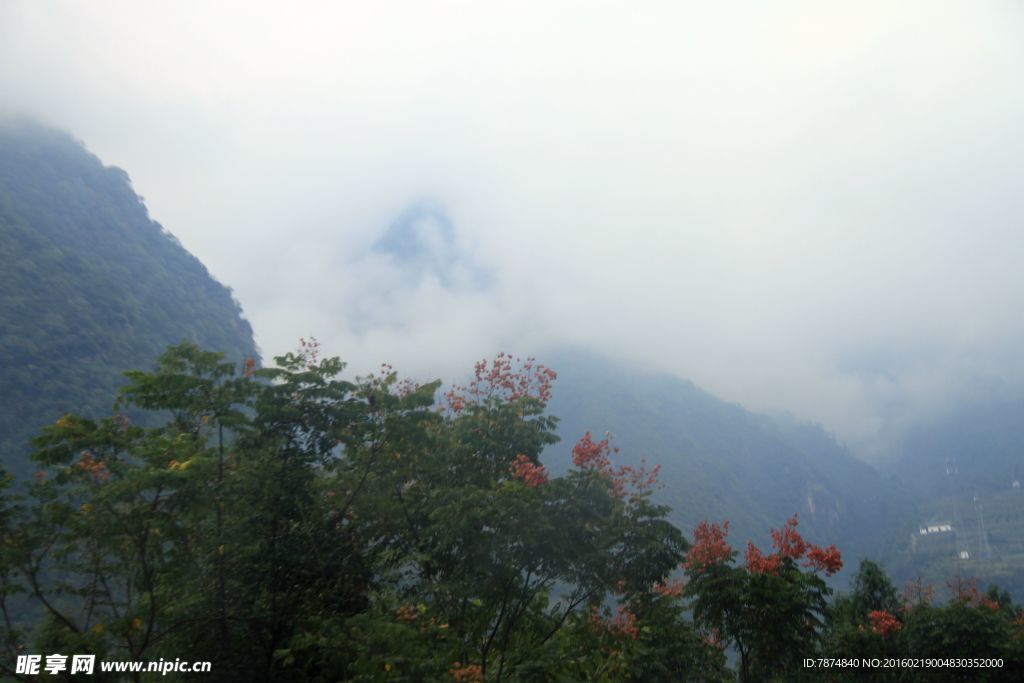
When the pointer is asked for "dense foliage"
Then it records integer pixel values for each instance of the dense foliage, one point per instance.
(875, 621)
(288, 524)
(91, 285)
(770, 608)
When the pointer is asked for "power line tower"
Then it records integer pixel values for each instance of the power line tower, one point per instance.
(985, 550)
(952, 475)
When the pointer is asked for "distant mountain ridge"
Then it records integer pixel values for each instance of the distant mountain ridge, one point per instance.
(90, 286)
(984, 438)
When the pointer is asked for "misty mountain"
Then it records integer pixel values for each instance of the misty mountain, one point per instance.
(981, 440)
(720, 461)
(91, 286)
(962, 465)
(421, 242)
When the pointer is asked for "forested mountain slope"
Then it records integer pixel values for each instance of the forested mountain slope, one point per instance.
(89, 286)
(720, 461)
(966, 463)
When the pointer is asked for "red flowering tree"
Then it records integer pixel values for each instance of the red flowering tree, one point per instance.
(873, 621)
(466, 521)
(884, 623)
(771, 606)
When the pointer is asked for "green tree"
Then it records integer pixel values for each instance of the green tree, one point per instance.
(287, 524)
(872, 591)
(475, 540)
(865, 623)
(971, 625)
(772, 607)
(11, 588)
(145, 542)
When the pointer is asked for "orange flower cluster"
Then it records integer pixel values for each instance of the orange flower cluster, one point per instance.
(824, 559)
(714, 639)
(709, 546)
(309, 351)
(789, 544)
(406, 387)
(525, 471)
(637, 480)
(406, 613)
(588, 454)
(96, 468)
(965, 590)
(622, 624)
(470, 673)
(668, 589)
(884, 623)
(506, 378)
(989, 603)
(455, 400)
(759, 563)
(917, 593)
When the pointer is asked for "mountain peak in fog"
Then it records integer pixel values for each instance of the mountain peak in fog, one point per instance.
(422, 242)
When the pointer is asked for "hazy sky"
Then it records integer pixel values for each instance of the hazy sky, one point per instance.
(816, 207)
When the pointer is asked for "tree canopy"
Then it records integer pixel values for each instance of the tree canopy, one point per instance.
(289, 523)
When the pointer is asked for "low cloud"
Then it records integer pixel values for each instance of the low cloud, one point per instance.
(801, 207)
